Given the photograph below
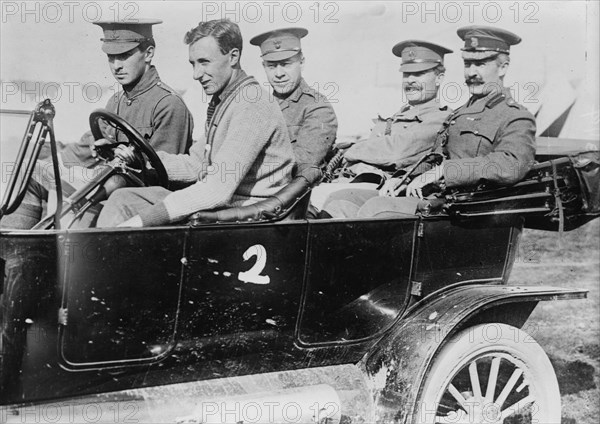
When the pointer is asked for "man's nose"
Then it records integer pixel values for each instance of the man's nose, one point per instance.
(471, 70)
(198, 72)
(279, 71)
(117, 64)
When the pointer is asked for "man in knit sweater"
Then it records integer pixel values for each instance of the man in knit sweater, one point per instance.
(247, 156)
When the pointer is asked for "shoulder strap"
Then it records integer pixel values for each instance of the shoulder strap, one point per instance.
(495, 100)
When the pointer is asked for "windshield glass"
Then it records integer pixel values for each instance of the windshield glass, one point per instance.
(13, 124)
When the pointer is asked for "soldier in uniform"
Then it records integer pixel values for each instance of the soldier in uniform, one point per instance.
(489, 139)
(395, 143)
(310, 119)
(147, 103)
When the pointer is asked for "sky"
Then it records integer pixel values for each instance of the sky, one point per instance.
(52, 49)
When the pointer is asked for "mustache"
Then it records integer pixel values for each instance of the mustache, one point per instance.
(474, 80)
(412, 86)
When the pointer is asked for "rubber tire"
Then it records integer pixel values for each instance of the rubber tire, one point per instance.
(481, 340)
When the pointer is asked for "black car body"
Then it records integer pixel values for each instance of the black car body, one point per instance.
(347, 319)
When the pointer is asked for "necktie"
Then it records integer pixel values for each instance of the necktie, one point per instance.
(214, 102)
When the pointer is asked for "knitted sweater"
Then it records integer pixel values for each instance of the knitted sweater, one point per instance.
(248, 157)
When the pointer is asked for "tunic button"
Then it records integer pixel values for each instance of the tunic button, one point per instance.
(158, 83)
(476, 132)
(128, 102)
(452, 122)
(405, 126)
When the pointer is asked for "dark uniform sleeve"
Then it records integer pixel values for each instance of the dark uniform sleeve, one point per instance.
(316, 136)
(510, 158)
(172, 126)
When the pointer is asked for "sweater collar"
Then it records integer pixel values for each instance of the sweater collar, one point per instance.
(231, 87)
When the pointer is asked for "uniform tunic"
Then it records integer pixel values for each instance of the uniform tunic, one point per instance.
(400, 141)
(489, 139)
(311, 123)
(152, 108)
(395, 143)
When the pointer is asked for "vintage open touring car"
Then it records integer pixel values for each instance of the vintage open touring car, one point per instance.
(261, 314)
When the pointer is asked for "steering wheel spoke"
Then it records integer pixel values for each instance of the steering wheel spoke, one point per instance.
(103, 118)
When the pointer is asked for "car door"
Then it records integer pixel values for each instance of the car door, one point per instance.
(358, 282)
(242, 294)
(120, 296)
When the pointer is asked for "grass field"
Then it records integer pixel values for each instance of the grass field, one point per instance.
(569, 331)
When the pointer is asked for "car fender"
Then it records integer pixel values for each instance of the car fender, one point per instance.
(397, 365)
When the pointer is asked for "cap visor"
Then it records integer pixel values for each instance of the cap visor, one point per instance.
(417, 67)
(277, 56)
(118, 48)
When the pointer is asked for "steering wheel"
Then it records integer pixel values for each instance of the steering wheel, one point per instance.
(133, 136)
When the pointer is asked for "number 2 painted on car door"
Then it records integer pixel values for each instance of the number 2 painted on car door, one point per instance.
(253, 274)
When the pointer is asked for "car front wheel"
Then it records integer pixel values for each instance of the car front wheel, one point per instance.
(490, 373)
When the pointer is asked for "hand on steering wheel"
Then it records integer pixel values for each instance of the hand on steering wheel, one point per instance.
(126, 153)
(138, 146)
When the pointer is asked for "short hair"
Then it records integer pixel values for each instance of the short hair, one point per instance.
(226, 33)
(439, 69)
(148, 42)
(501, 58)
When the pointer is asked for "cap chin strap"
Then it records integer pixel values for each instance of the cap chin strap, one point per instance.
(124, 40)
(280, 51)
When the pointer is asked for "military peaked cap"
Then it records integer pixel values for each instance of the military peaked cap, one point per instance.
(419, 55)
(279, 44)
(122, 36)
(482, 42)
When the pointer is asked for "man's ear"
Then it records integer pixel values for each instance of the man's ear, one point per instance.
(149, 54)
(503, 68)
(439, 78)
(235, 57)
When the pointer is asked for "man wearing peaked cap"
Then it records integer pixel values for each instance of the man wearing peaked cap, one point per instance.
(491, 139)
(484, 48)
(121, 36)
(309, 116)
(147, 103)
(396, 143)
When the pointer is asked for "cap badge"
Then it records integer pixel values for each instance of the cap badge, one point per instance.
(411, 55)
(277, 44)
(474, 42)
